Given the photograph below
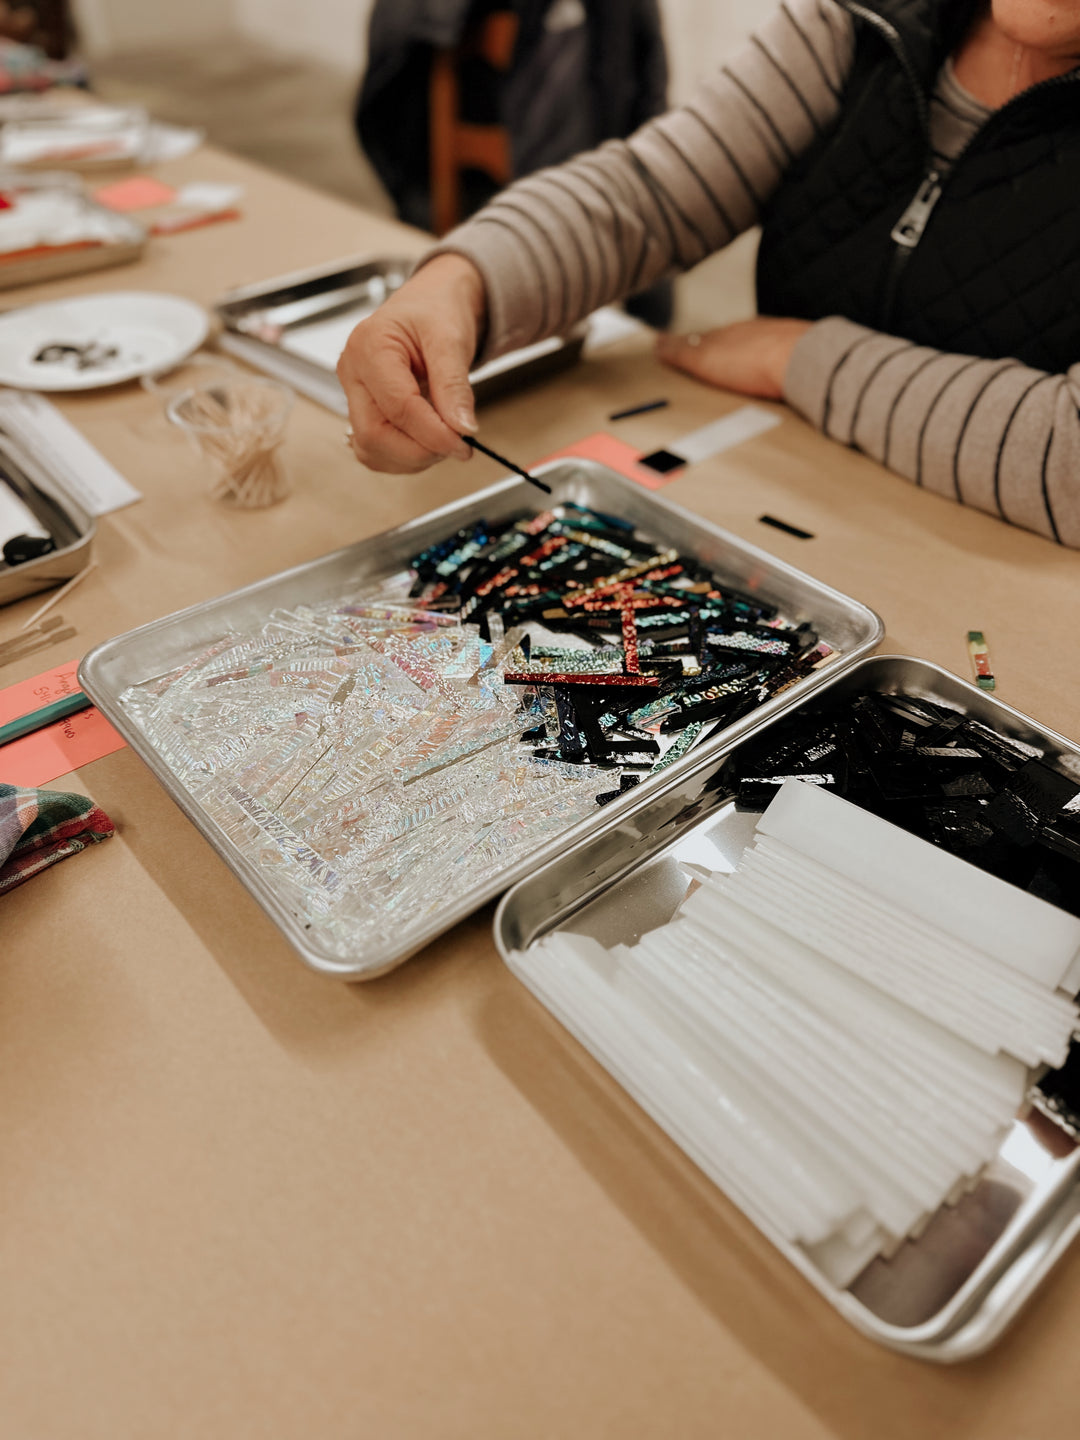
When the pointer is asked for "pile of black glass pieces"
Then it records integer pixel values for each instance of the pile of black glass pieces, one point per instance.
(986, 797)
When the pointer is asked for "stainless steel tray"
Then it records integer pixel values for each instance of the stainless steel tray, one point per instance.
(127, 237)
(87, 137)
(294, 328)
(949, 1294)
(65, 520)
(108, 671)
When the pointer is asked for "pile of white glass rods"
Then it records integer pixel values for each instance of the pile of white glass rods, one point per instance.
(836, 1062)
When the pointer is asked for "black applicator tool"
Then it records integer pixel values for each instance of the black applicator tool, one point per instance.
(475, 444)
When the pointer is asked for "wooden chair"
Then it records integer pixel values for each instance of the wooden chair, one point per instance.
(457, 145)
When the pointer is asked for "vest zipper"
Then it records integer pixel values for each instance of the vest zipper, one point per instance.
(911, 226)
(908, 230)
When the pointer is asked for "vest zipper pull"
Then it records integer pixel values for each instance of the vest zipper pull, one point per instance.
(908, 230)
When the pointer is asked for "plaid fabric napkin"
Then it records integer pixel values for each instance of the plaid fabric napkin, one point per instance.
(39, 827)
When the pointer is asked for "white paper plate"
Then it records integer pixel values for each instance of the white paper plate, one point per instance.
(96, 340)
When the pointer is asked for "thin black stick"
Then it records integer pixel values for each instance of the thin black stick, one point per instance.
(475, 444)
(639, 409)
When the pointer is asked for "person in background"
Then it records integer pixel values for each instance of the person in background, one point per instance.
(915, 166)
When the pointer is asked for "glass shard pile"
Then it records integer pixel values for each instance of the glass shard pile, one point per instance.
(364, 755)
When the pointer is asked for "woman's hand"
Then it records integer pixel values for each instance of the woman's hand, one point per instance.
(749, 357)
(405, 370)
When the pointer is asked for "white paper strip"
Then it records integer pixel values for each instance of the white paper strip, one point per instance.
(742, 424)
(82, 471)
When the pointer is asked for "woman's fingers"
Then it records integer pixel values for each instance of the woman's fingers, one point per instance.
(384, 365)
(447, 358)
(380, 445)
(405, 370)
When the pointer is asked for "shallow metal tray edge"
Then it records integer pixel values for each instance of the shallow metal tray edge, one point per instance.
(1033, 1238)
(499, 377)
(97, 676)
(64, 563)
(240, 296)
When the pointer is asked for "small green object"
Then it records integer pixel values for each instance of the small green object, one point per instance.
(47, 715)
(980, 659)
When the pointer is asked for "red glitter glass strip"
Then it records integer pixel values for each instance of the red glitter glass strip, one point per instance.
(551, 677)
(629, 637)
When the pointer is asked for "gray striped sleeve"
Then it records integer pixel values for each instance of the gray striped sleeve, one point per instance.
(994, 434)
(564, 241)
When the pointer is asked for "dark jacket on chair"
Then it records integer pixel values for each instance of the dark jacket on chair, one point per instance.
(625, 84)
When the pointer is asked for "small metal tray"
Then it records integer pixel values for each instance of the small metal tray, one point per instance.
(79, 136)
(295, 327)
(949, 1294)
(127, 237)
(850, 628)
(70, 526)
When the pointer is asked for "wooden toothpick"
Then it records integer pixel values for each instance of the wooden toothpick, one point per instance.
(59, 594)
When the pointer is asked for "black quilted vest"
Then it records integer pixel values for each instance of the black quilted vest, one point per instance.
(987, 263)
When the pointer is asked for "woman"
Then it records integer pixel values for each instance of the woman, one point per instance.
(915, 165)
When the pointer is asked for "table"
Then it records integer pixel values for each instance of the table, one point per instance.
(241, 1200)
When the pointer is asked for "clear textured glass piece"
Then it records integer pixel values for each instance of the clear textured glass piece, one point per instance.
(365, 755)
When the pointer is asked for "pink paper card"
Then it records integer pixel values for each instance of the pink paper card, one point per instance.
(139, 193)
(616, 455)
(59, 748)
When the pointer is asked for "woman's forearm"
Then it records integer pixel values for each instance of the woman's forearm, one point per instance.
(994, 434)
(559, 244)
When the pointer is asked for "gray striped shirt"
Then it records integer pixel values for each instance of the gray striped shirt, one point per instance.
(991, 433)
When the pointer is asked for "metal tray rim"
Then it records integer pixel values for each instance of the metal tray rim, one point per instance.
(963, 1327)
(262, 289)
(92, 680)
(44, 567)
(309, 376)
(705, 759)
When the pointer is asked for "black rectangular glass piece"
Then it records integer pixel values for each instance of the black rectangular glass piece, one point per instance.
(662, 461)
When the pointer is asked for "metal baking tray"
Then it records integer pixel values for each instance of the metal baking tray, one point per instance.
(127, 237)
(66, 521)
(295, 327)
(949, 1294)
(108, 671)
(80, 136)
